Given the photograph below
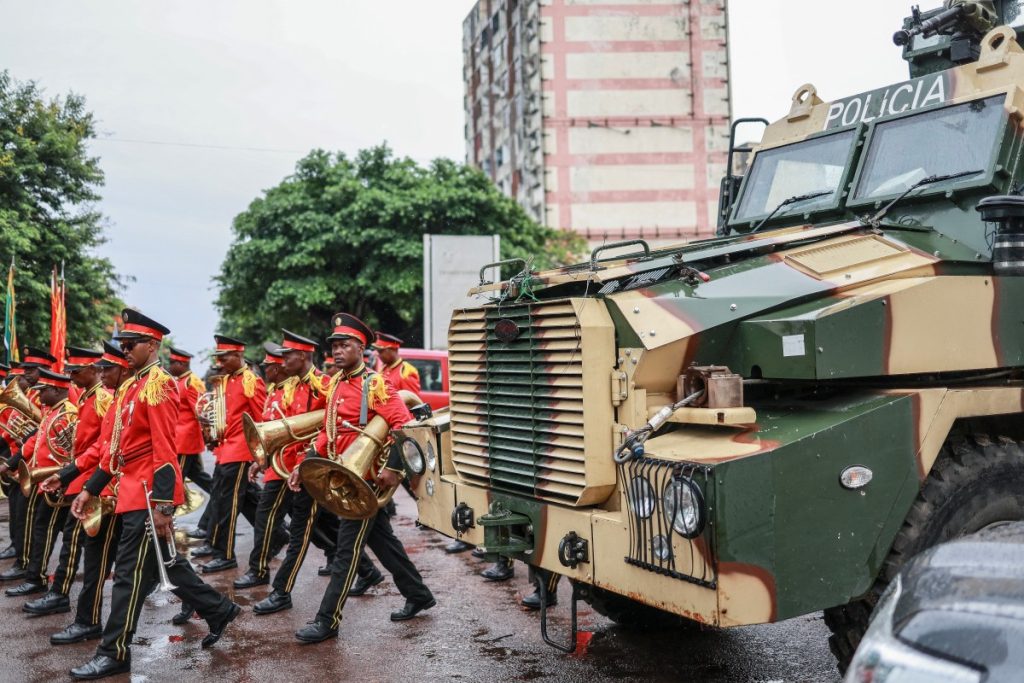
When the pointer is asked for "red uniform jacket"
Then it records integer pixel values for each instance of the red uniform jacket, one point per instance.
(343, 403)
(188, 435)
(93, 404)
(142, 443)
(245, 393)
(87, 461)
(403, 375)
(300, 395)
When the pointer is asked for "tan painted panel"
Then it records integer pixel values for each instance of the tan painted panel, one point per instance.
(638, 140)
(616, 215)
(625, 27)
(745, 599)
(922, 337)
(632, 177)
(605, 103)
(636, 65)
(706, 444)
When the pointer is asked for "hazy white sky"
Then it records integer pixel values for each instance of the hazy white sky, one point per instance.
(204, 104)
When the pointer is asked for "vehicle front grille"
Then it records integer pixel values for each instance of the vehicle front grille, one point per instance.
(533, 415)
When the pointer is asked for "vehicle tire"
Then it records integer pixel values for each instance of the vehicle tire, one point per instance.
(634, 615)
(975, 482)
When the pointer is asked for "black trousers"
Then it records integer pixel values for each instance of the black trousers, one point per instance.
(234, 495)
(17, 505)
(135, 576)
(47, 523)
(204, 519)
(275, 500)
(353, 535)
(73, 538)
(99, 553)
(191, 465)
(311, 524)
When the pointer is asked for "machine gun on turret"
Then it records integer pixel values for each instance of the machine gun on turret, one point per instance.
(964, 21)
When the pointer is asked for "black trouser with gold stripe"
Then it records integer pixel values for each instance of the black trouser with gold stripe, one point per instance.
(275, 501)
(47, 523)
(18, 506)
(135, 576)
(376, 533)
(311, 524)
(234, 495)
(191, 465)
(73, 538)
(99, 553)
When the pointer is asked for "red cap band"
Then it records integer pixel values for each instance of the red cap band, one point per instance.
(82, 360)
(387, 345)
(59, 383)
(179, 358)
(298, 346)
(115, 360)
(350, 332)
(17, 371)
(142, 329)
(231, 347)
(273, 360)
(38, 360)
(3, 373)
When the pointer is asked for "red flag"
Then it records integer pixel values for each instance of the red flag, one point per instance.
(58, 320)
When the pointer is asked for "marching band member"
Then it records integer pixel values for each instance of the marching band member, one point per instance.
(400, 373)
(188, 434)
(143, 457)
(348, 401)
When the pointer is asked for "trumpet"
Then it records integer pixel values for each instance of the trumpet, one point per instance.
(23, 416)
(94, 511)
(161, 564)
(212, 410)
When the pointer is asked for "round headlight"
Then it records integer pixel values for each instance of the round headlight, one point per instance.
(431, 456)
(430, 487)
(413, 456)
(684, 507)
(661, 547)
(641, 497)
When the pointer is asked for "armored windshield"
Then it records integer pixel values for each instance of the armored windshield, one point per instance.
(802, 168)
(947, 140)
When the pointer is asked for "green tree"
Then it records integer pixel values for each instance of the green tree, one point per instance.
(347, 234)
(48, 190)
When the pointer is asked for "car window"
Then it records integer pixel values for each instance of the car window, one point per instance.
(430, 374)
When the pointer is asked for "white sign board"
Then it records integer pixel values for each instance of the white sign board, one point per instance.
(451, 266)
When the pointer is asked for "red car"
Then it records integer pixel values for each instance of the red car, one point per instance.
(433, 369)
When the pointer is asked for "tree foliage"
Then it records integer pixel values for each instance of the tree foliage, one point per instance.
(346, 234)
(48, 186)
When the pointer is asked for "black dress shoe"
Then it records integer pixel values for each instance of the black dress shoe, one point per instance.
(197, 533)
(8, 553)
(532, 601)
(275, 602)
(183, 615)
(315, 632)
(219, 565)
(27, 588)
(14, 573)
(51, 603)
(411, 609)
(479, 554)
(279, 541)
(100, 667)
(457, 546)
(499, 571)
(216, 630)
(324, 570)
(362, 585)
(76, 633)
(250, 580)
(205, 550)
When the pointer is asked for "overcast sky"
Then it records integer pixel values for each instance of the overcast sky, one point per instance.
(203, 104)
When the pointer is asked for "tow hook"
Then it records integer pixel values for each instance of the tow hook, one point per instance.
(506, 533)
(572, 550)
(462, 518)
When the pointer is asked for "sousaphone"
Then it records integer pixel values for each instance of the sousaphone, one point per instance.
(340, 485)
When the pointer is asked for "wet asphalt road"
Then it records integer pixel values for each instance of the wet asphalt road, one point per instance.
(477, 632)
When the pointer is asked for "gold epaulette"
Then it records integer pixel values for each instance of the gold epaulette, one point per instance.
(320, 382)
(288, 388)
(378, 394)
(157, 386)
(194, 382)
(104, 399)
(249, 380)
(408, 370)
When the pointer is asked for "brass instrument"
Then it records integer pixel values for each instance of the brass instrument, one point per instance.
(161, 564)
(29, 477)
(267, 440)
(23, 415)
(194, 500)
(340, 485)
(212, 411)
(60, 440)
(94, 511)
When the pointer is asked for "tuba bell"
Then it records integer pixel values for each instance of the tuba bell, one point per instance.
(94, 511)
(60, 440)
(212, 411)
(340, 485)
(29, 477)
(23, 416)
(267, 440)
